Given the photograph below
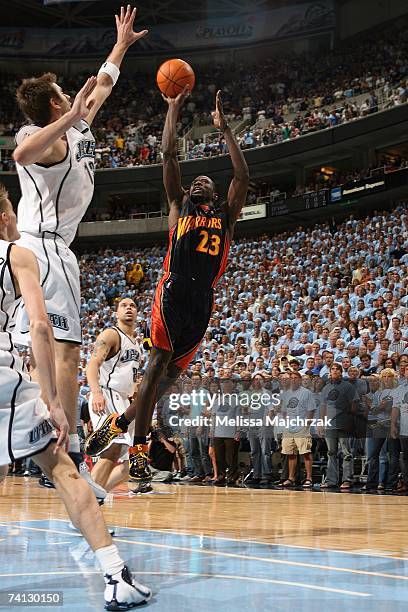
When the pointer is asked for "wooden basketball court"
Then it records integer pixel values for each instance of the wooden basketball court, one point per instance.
(200, 546)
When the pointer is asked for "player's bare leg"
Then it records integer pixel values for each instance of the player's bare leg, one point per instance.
(86, 515)
(66, 365)
(119, 474)
(106, 473)
(81, 505)
(159, 377)
(102, 470)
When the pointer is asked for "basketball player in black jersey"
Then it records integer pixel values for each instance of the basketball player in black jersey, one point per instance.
(201, 230)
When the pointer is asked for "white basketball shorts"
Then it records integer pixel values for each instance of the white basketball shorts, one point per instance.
(59, 275)
(25, 427)
(115, 402)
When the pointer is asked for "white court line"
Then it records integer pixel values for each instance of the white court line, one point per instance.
(205, 551)
(219, 576)
(212, 537)
(201, 535)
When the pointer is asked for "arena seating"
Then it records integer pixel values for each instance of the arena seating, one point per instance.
(282, 98)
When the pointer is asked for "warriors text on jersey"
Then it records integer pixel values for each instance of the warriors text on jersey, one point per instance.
(195, 261)
(55, 197)
(199, 244)
(119, 372)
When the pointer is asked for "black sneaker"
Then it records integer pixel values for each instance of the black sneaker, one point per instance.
(142, 488)
(138, 463)
(44, 482)
(20, 472)
(103, 436)
(252, 481)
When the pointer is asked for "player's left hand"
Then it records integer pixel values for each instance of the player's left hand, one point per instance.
(218, 115)
(124, 26)
(59, 420)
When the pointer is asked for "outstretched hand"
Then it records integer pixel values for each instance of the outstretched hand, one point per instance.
(178, 101)
(218, 115)
(80, 108)
(124, 27)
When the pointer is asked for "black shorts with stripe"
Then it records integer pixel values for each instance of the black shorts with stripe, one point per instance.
(180, 316)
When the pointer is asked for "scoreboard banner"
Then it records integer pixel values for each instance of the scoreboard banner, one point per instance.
(305, 201)
(276, 24)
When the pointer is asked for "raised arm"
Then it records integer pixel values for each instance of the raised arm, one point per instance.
(171, 167)
(238, 188)
(109, 71)
(26, 273)
(107, 343)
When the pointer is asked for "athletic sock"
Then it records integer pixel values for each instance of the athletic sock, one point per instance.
(109, 559)
(74, 443)
(122, 422)
(139, 440)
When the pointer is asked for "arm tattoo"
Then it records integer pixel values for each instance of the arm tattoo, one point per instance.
(100, 347)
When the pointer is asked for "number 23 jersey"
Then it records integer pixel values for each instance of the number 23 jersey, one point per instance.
(199, 244)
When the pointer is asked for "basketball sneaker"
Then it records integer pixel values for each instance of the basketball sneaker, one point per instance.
(143, 488)
(138, 463)
(123, 593)
(44, 482)
(96, 443)
(98, 491)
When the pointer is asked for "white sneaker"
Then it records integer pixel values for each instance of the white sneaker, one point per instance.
(123, 593)
(99, 491)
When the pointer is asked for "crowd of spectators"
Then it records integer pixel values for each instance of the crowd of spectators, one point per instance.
(290, 92)
(118, 210)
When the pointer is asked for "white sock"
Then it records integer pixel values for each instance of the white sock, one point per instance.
(109, 559)
(74, 443)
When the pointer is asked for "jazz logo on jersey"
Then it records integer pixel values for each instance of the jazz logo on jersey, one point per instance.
(58, 321)
(130, 355)
(186, 224)
(86, 148)
(40, 431)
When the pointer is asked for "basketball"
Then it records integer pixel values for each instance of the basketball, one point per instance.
(173, 76)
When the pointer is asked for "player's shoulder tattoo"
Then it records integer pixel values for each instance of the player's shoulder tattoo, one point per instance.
(103, 344)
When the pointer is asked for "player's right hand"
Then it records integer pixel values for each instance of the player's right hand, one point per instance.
(178, 101)
(79, 108)
(59, 420)
(98, 403)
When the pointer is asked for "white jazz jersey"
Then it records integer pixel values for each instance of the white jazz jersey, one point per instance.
(25, 428)
(55, 197)
(119, 372)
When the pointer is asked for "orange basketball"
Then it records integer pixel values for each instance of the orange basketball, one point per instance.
(173, 76)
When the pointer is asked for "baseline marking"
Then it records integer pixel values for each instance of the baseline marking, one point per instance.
(204, 551)
(219, 576)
